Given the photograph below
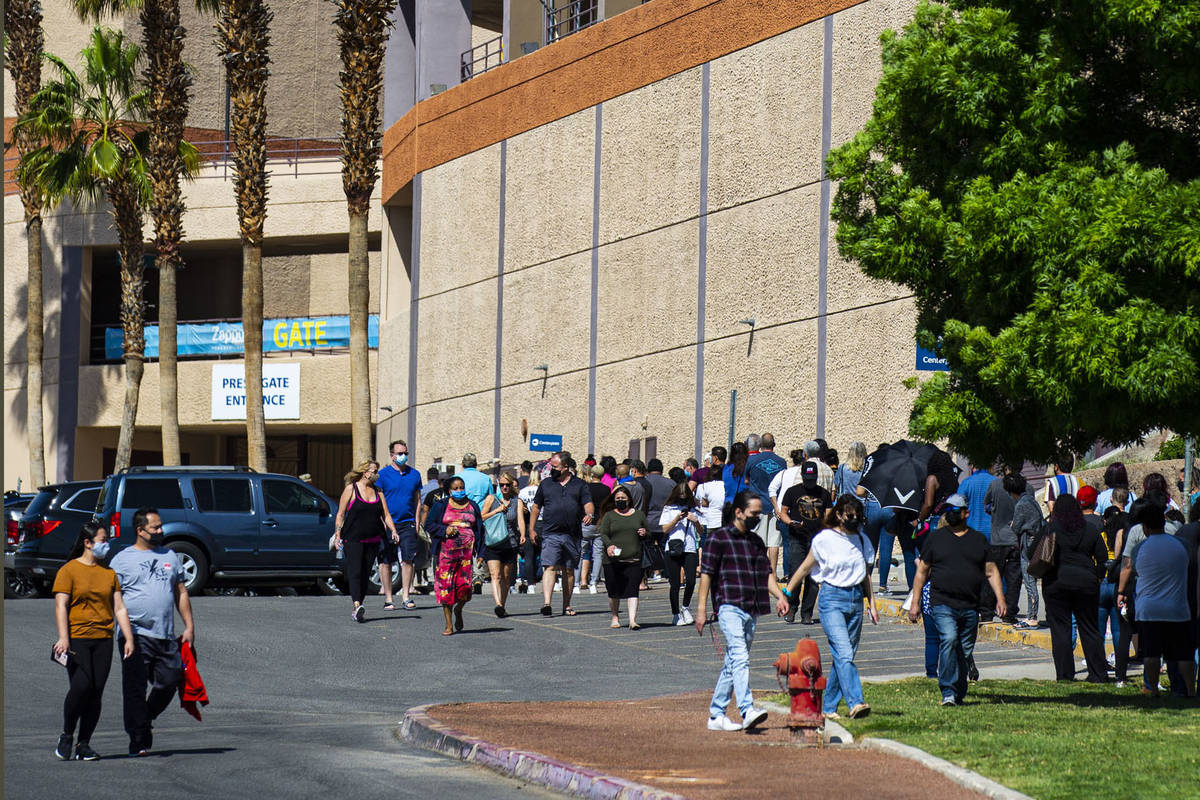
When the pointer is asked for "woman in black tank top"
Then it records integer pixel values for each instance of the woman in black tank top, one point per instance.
(361, 519)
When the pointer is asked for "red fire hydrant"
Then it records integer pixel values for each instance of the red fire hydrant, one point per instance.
(805, 684)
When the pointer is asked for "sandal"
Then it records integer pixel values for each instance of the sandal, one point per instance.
(615, 624)
(547, 611)
(633, 626)
(409, 605)
(389, 606)
(568, 612)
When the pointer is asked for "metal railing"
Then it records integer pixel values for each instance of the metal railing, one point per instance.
(570, 17)
(482, 57)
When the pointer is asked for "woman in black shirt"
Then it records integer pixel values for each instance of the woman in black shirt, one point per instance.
(1072, 586)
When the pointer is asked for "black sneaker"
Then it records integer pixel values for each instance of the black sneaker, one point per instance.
(84, 752)
(63, 751)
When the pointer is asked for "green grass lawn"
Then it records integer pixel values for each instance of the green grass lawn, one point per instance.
(1049, 740)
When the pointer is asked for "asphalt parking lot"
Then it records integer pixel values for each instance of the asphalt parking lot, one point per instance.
(304, 702)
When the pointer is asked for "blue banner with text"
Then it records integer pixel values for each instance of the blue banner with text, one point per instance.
(226, 338)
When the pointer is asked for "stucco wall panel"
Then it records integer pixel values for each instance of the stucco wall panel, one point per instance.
(776, 386)
(460, 221)
(763, 261)
(456, 352)
(562, 410)
(658, 390)
(546, 318)
(856, 60)
(650, 157)
(647, 292)
(765, 117)
(549, 191)
(871, 351)
(449, 428)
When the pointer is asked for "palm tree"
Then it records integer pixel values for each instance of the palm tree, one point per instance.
(243, 38)
(167, 82)
(23, 34)
(362, 36)
(94, 146)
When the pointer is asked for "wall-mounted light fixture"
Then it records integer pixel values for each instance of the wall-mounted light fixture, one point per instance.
(750, 343)
(386, 408)
(545, 370)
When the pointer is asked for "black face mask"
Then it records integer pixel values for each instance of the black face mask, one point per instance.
(752, 521)
(621, 505)
(850, 521)
(156, 539)
(953, 517)
(556, 474)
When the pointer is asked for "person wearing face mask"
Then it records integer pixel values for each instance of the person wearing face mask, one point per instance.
(839, 560)
(87, 599)
(401, 487)
(361, 518)
(152, 582)
(736, 572)
(955, 558)
(456, 527)
(622, 531)
(568, 506)
(503, 527)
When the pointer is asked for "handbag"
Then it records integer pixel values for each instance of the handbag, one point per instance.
(1045, 554)
(652, 556)
(675, 548)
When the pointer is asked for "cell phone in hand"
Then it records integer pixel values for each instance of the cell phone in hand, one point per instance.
(59, 658)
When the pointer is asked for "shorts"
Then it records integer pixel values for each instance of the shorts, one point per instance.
(768, 531)
(408, 541)
(388, 550)
(1169, 640)
(505, 552)
(560, 550)
(622, 578)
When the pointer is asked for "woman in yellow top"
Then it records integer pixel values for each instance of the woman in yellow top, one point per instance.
(87, 597)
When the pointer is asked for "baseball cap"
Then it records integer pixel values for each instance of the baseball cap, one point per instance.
(1087, 496)
(808, 473)
(956, 501)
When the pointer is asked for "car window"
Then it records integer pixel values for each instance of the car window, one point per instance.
(157, 493)
(84, 500)
(223, 494)
(286, 497)
(41, 502)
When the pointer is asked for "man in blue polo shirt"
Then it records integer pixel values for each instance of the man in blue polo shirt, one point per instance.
(761, 468)
(401, 487)
(477, 484)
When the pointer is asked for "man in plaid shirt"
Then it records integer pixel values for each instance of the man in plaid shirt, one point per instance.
(736, 570)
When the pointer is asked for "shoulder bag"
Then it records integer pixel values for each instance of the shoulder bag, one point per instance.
(1045, 553)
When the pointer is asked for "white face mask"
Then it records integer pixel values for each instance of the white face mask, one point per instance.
(100, 549)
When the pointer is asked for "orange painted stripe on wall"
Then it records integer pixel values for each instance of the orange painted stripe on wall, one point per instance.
(629, 51)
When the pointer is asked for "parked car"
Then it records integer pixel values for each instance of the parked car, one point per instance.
(230, 526)
(46, 532)
(16, 584)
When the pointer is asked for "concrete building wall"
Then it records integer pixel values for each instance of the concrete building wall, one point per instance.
(700, 192)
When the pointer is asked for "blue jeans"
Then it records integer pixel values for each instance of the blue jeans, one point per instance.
(956, 628)
(1031, 587)
(933, 646)
(591, 548)
(886, 541)
(734, 681)
(1108, 611)
(841, 612)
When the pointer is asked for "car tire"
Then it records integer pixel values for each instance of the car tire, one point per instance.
(225, 591)
(194, 563)
(373, 582)
(331, 587)
(21, 585)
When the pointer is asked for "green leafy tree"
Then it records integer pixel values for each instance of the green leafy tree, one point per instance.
(94, 147)
(1032, 173)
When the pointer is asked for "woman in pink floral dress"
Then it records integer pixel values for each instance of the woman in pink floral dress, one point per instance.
(455, 526)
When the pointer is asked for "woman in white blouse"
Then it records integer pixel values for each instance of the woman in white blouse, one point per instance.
(839, 561)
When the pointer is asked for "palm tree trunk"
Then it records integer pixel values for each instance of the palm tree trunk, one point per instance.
(23, 57)
(167, 82)
(127, 214)
(252, 314)
(34, 337)
(360, 376)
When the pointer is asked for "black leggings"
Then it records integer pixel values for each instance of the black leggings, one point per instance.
(688, 563)
(360, 560)
(87, 670)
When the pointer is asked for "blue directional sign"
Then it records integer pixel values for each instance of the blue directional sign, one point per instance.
(929, 360)
(551, 442)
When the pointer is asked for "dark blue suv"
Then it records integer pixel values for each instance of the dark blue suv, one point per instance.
(229, 525)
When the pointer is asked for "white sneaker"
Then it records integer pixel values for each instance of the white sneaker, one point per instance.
(592, 588)
(688, 619)
(753, 718)
(558, 587)
(722, 723)
(677, 620)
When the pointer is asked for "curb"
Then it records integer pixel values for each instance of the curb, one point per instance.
(419, 729)
(834, 734)
(988, 631)
(960, 775)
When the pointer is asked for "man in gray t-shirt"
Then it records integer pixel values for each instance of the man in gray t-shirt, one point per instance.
(152, 581)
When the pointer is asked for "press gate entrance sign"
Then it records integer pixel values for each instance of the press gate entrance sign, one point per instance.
(545, 441)
(281, 391)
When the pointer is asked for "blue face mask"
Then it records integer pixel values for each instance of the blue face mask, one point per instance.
(401, 459)
(459, 494)
(100, 549)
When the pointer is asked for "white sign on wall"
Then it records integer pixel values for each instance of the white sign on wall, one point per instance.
(281, 391)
